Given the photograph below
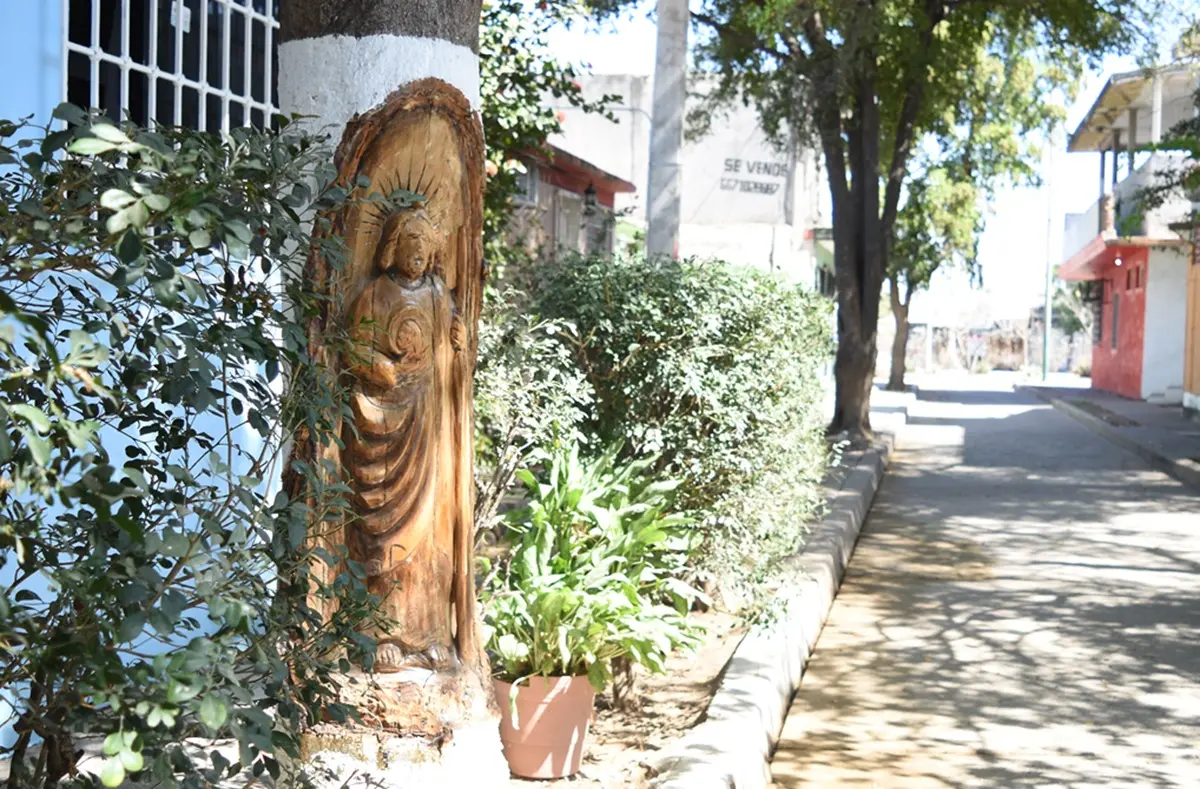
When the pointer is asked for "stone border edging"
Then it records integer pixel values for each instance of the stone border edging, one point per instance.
(732, 747)
(1180, 470)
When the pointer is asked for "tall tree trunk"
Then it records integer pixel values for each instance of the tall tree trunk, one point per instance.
(900, 341)
(862, 222)
(860, 255)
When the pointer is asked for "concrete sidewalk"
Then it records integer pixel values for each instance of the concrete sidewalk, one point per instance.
(1023, 609)
(1158, 433)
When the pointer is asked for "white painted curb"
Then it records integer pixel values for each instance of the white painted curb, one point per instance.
(732, 747)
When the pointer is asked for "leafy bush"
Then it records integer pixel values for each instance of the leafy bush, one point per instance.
(152, 358)
(715, 369)
(529, 397)
(591, 558)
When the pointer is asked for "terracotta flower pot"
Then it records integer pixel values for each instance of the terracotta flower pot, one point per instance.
(546, 740)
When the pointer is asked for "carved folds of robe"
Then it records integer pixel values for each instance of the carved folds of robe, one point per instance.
(410, 295)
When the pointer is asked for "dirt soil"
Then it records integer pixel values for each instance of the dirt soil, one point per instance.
(671, 704)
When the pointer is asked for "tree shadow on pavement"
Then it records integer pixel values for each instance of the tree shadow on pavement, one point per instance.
(1023, 609)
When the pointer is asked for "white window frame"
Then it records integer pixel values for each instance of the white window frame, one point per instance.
(95, 54)
(531, 185)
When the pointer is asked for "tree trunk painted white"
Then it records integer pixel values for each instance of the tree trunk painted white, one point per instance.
(338, 58)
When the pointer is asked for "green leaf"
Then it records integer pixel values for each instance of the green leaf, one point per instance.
(651, 535)
(180, 473)
(33, 416)
(129, 248)
(132, 626)
(200, 239)
(511, 649)
(597, 676)
(38, 447)
(296, 533)
(113, 744)
(91, 146)
(240, 230)
(161, 716)
(137, 477)
(73, 115)
(213, 711)
(112, 773)
(132, 761)
(157, 202)
(179, 692)
(116, 199)
(134, 215)
(109, 133)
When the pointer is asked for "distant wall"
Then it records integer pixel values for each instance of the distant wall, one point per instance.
(744, 200)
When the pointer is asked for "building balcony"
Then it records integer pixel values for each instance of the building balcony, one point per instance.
(1124, 212)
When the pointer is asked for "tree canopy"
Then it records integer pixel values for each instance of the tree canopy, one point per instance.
(862, 81)
(992, 136)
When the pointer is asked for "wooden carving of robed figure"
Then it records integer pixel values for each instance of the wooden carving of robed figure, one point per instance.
(409, 300)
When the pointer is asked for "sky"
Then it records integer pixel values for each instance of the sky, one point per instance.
(1013, 248)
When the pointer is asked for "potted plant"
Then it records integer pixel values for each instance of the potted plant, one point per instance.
(592, 561)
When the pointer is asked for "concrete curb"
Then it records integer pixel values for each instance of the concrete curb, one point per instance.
(732, 747)
(1182, 470)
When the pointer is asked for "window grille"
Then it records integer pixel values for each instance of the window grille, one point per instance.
(204, 64)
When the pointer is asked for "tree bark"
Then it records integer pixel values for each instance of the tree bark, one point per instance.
(863, 220)
(900, 341)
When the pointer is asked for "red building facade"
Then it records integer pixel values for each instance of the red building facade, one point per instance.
(1117, 357)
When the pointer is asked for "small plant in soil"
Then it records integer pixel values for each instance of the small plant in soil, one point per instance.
(592, 573)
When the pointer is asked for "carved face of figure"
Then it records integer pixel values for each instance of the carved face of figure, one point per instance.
(409, 241)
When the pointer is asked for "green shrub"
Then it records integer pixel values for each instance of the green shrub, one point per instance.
(152, 358)
(714, 368)
(530, 396)
(590, 560)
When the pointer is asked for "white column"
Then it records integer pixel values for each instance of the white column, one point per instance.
(1131, 145)
(666, 130)
(1156, 109)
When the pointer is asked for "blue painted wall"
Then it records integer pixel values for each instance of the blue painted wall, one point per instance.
(31, 58)
(31, 78)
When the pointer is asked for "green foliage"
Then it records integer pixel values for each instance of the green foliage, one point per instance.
(591, 558)
(529, 397)
(940, 222)
(863, 81)
(714, 369)
(1072, 310)
(152, 359)
(775, 53)
(520, 78)
(987, 137)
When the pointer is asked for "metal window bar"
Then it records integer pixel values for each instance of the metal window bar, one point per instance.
(96, 56)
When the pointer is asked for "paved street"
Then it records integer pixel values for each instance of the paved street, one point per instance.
(1023, 609)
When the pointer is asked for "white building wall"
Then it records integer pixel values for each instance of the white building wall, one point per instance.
(1166, 319)
(744, 200)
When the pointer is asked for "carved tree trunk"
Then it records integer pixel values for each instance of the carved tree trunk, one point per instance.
(398, 82)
